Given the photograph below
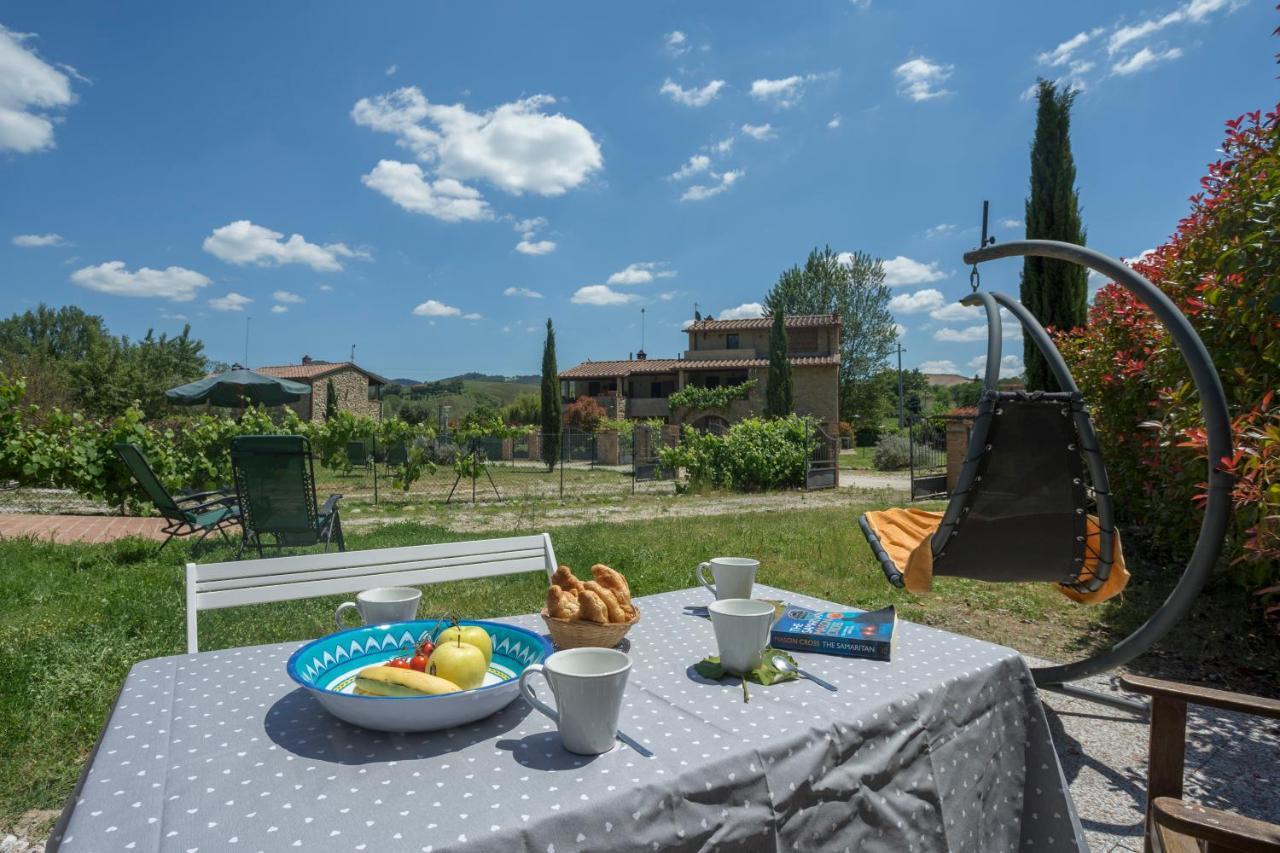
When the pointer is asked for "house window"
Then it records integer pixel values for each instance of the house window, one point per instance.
(803, 340)
(655, 390)
(731, 341)
(593, 389)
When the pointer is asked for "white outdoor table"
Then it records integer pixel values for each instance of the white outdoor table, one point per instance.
(944, 748)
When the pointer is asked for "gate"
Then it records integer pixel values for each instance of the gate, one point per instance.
(927, 452)
(646, 464)
(822, 468)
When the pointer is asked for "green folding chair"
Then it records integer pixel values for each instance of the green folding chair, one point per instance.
(397, 455)
(187, 512)
(275, 485)
(358, 455)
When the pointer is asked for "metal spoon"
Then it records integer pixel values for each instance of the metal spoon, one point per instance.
(781, 664)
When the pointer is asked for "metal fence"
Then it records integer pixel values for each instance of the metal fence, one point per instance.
(822, 468)
(583, 465)
(928, 457)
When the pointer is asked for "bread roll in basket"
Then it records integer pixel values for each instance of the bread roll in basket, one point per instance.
(595, 613)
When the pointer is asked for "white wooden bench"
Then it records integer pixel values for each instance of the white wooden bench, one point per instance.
(214, 585)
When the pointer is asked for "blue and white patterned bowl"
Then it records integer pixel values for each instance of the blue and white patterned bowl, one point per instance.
(327, 669)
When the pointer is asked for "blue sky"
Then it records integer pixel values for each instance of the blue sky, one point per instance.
(431, 181)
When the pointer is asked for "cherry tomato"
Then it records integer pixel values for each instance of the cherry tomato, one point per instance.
(398, 663)
(425, 648)
(419, 662)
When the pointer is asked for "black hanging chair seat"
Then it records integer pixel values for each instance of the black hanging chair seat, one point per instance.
(1022, 508)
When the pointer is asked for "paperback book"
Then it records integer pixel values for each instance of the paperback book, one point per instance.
(855, 633)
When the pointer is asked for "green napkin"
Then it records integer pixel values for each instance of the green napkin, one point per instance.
(765, 673)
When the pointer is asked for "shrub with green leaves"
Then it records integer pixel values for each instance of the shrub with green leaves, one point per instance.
(893, 452)
(753, 455)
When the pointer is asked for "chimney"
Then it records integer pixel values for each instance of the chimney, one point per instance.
(640, 356)
(306, 359)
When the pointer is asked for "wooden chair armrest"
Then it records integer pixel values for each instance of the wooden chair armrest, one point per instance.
(1223, 699)
(1223, 830)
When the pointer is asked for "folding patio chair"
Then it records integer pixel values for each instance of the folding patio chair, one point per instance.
(358, 455)
(188, 512)
(275, 483)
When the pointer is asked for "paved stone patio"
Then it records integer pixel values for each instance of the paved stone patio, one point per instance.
(79, 528)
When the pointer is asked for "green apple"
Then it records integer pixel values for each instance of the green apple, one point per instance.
(459, 662)
(472, 635)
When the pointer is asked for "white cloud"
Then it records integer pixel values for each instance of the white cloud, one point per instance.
(759, 132)
(701, 192)
(518, 147)
(242, 242)
(641, 273)
(1124, 36)
(473, 316)
(165, 315)
(902, 270)
(1010, 365)
(279, 309)
(677, 43)
(231, 302)
(176, 284)
(446, 199)
(941, 230)
(1062, 54)
(686, 324)
(785, 92)
(919, 302)
(1143, 59)
(954, 312)
(529, 244)
(724, 146)
(920, 79)
(391, 69)
(287, 297)
(835, 121)
(1010, 330)
(861, 4)
(327, 288)
(899, 329)
(29, 89)
(522, 291)
(667, 295)
(434, 308)
(745, 311)
(692, 97)
(600, 294)
(945, 365)
(1011, 223)
(697, 163)
(37, 241)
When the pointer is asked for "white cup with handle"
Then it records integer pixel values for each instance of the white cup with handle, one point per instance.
(734, 576)
(742, 627)
(588, 685)
(382, 605)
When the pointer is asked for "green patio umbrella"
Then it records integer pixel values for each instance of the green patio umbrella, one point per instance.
(236, 388)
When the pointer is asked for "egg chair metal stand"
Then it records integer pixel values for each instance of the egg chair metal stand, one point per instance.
(1032, 501)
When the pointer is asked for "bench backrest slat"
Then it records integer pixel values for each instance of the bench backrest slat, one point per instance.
(231, 584)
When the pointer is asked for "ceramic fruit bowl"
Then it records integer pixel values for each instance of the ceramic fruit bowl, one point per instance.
(327, 669)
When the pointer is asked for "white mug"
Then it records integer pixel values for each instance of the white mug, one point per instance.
(382, 605)
(588, 685)
(734, 576)
(742, 628)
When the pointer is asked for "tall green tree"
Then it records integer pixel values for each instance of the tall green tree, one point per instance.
(330, 400)
(778, 391)
(551, 413)
(1056, 292)
(850, 284)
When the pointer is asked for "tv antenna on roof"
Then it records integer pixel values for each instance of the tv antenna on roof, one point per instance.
(353, 354)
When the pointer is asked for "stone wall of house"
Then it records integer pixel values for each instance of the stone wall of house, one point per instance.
(814, 391)
(352, 388)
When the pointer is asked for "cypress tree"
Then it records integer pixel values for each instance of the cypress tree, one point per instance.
(330, 400)
(551, 413)
(1054, 291)
(778, 402)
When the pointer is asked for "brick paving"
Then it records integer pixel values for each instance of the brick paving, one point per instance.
(79, 528)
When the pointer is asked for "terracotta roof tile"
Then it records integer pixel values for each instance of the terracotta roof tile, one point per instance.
(611, 369)
(314, 370)
(794, 321)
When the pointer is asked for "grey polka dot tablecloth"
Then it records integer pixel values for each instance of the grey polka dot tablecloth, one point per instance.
(944, 748)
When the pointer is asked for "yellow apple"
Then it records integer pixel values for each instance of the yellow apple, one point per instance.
(472, 635)
(459, 662)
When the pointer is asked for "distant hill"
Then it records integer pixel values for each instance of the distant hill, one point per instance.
(405, 382)
(531, 379)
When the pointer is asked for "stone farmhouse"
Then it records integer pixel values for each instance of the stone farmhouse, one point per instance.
(359, 391)
(721, 352)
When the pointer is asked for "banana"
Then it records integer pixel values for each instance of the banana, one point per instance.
(392, 681)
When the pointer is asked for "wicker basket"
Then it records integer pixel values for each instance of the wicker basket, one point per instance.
(579, 633)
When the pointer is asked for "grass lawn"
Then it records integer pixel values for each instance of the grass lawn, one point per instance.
(858, 458)
(77, 617)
